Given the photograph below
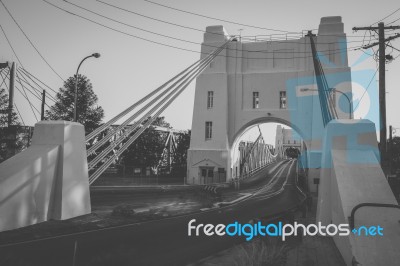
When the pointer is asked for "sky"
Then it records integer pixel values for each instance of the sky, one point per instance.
(130, 68)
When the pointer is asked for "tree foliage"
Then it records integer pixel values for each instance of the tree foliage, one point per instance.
(4, 112)
(183, 143)
(10, 139)
(146, 150)
(89, 113)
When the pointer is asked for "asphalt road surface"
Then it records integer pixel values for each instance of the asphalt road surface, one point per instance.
(164, 241)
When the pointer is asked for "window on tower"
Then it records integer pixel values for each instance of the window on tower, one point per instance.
(210, 99)
(208, 130)
(256, 100)
(282, 99)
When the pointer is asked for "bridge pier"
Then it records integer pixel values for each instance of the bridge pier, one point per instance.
(351, 175)
(49, 180)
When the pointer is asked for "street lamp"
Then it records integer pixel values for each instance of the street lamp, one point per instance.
(96, 55)
(333, 89)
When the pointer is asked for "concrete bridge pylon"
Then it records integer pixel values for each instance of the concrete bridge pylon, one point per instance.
(48, 180)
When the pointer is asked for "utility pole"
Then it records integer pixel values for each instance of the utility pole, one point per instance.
(11, 94)
(43, 103)
(390, 148)
(382, 90)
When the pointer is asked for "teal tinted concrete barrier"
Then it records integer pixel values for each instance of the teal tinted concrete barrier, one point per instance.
(351, 174)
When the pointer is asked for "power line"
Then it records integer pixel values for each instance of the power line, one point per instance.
(191, 28)
(16, 107)
(19, 61)
(20, 116)
(387, 16)
(168, 45)
(167, 36)
(23, 74)
(223, 20)
(393, 21)
(27, 98)
(12, 48)
(36, 89)
(362, 96)
(155, 19)
(8, 89)
(31, 75)
(6, 75)
(30, 40)
(9, 43)
(27, 82)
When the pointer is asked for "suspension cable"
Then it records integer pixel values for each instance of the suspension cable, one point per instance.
(149, 113)
(109, 161)
(136, 114)
(327, 115)
(129, 109)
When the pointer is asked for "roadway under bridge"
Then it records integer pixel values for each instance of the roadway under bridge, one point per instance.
(272, 192)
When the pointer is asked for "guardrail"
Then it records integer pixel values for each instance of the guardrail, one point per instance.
(353, 211)
(255, 170)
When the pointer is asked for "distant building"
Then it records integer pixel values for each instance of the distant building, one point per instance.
(287, 138)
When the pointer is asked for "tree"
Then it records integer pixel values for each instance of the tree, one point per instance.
(10, 139)
(4, 110)
(146, 150)
(180, 157)
(89, 113)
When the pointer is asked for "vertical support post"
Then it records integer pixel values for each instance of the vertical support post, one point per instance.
(390, 148)
(382, 92)
(43, 103)
(11, 94)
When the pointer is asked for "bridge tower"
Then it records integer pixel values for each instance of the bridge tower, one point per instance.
(263, 80)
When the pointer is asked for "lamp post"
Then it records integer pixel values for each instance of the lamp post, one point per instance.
(96, 55)
(336, 90)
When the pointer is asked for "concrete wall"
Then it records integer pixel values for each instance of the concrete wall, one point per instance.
(49, 180)
(267, 67)
(350, 175)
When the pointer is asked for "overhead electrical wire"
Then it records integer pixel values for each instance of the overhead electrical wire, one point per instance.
(16, 107)
(386, 16)
(23, 75)
(21, 94)
(19, 61)
(27, 82)
(362, 96)
(33, 76)
(26, 36)
(155, 19)
(20, 116)
(390, 23)
(168, 45)
(27, 98)
(6, 75)
(174, 38)
(40, 95)
(218, 19)
(187, 27)
(9, 43)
